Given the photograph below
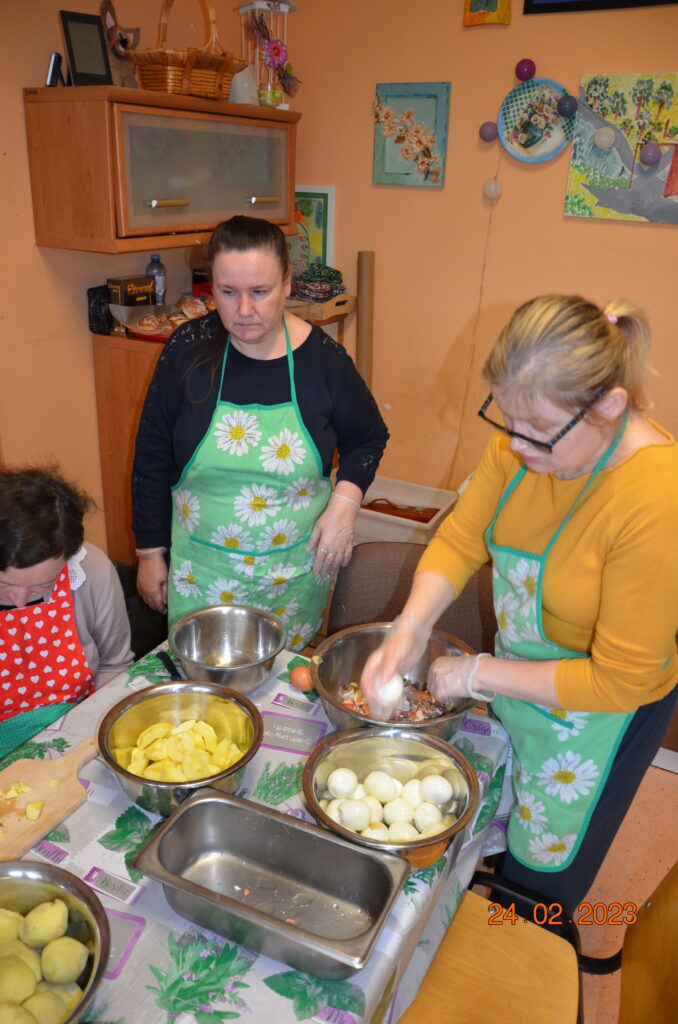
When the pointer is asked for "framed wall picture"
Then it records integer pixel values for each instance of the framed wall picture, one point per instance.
(86, 48)
(314, 218)
(559, 6)
(410, 133)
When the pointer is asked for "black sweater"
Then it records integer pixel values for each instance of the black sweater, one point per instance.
(336, 406)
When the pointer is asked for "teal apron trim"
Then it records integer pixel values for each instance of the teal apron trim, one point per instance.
(23, 726)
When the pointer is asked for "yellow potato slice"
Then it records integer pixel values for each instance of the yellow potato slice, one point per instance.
(183, 727)
(153, 732)
(33, 810)
(156, 751)
(208, 735)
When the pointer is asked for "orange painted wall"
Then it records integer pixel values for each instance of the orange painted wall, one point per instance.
(450, 265)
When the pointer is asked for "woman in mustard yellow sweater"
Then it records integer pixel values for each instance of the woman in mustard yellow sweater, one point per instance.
(575, 501)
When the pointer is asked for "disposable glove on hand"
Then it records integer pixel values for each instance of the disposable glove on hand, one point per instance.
(402, 647)
(332, 537)
(452, 678)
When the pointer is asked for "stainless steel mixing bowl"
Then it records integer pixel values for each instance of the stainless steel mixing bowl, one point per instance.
(340, 659)
(404, 755)
(176, 703)
(234, 645)
(24, 884)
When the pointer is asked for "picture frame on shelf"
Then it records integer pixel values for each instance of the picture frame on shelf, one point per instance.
(314, 219)
(85, 41)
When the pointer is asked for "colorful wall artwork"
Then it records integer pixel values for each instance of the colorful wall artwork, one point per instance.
(614, 183)
(410, 133)
(487, 12)
(314, 218)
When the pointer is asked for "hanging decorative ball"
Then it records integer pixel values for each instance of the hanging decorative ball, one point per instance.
(567, 105)
(605, 138)
(492, 188)
(525, 69)
(488, 131)
(650, 154)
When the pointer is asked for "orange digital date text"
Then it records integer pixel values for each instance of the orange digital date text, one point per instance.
(553, 914)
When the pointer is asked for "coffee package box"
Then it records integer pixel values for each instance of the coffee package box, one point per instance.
(132, 291)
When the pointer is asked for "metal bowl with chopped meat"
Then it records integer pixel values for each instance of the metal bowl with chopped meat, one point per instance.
(337, 666)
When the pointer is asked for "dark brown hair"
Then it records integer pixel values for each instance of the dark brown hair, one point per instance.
(41, 517)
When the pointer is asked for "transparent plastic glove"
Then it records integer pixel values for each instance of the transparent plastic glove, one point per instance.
(332, 537)
(402, 647)
(152, 581)
(452, 678)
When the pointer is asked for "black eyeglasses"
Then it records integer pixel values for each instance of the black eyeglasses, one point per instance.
(546, 446)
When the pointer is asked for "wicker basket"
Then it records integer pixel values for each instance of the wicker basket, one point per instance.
(206, 71)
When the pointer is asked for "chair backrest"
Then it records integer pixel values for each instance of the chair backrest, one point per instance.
(374, 586)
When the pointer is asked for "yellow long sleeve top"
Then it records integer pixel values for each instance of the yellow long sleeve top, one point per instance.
(610, 586)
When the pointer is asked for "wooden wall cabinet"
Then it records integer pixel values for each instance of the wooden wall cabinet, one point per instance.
(128, 170)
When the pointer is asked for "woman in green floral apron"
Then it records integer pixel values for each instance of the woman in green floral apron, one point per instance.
(254, 519)
(575, 501)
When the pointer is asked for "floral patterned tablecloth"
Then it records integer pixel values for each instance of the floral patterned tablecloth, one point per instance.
(164, 970)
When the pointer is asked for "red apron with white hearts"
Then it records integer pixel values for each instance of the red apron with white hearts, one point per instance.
(42, 662)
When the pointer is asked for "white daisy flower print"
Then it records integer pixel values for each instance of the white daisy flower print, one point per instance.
(506, 606)
(524, 578)
(224, 591)
(299, 493)
(246, 565)
(578, 720)
(563, 776)
(281, 534)
(255, 503)
(298, 635)
(184, 581)
(188, 509)
(551, 849)
(283, 452)
(521, 777)
(275, 579)
(530, 812)
(232, 537)
(286, 611)
(237, 432)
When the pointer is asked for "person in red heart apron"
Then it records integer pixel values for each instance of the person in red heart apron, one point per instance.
(575, 501)
(240, 425)
(63, 625)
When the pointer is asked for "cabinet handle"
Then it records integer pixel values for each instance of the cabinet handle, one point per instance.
(155, 203)
(262, 199)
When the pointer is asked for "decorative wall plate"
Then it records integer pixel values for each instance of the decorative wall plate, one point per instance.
(529, 125)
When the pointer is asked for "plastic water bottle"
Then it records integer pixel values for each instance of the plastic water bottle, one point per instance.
(157, 269)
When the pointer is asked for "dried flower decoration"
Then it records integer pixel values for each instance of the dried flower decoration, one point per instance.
(275, 53)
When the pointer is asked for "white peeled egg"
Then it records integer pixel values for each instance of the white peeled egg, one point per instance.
(342, 782)
(355, 814)
(359, 792)
(436, 789)
(401, 831)
(376, 808)
(411, 792)
(397, 810)
(391, 692)
(380, 785)
(458, 783)
(426, 814)
(332, 810)
(433, 829)
(376, 830)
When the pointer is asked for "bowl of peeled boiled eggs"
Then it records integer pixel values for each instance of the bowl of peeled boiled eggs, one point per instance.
(392, 789)
(166, 741)
(54, 944)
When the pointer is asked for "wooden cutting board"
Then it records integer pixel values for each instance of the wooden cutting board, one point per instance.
(60, 797)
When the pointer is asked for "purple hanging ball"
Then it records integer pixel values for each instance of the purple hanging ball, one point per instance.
(525, 69)
(650, 154)
(567, 105)
(488, 131)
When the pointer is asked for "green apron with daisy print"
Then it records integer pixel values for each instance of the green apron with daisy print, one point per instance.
(561, 758)
(243, 511)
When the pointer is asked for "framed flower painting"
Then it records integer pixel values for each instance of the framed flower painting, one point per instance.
(410, 133)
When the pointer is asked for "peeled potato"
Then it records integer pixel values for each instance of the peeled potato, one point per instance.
(45, 922)
(46, 1007)
(63, 960)
(12, 1013)
(70, 994)
(17, 981)
(25, 953)
(10, 922)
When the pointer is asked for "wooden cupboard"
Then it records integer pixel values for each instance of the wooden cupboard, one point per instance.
(128, 170)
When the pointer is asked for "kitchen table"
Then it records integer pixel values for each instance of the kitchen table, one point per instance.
(164, 969)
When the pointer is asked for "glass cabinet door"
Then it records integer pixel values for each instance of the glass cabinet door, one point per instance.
(188, 171)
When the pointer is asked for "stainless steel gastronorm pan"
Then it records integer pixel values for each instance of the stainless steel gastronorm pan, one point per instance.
(274, 883)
